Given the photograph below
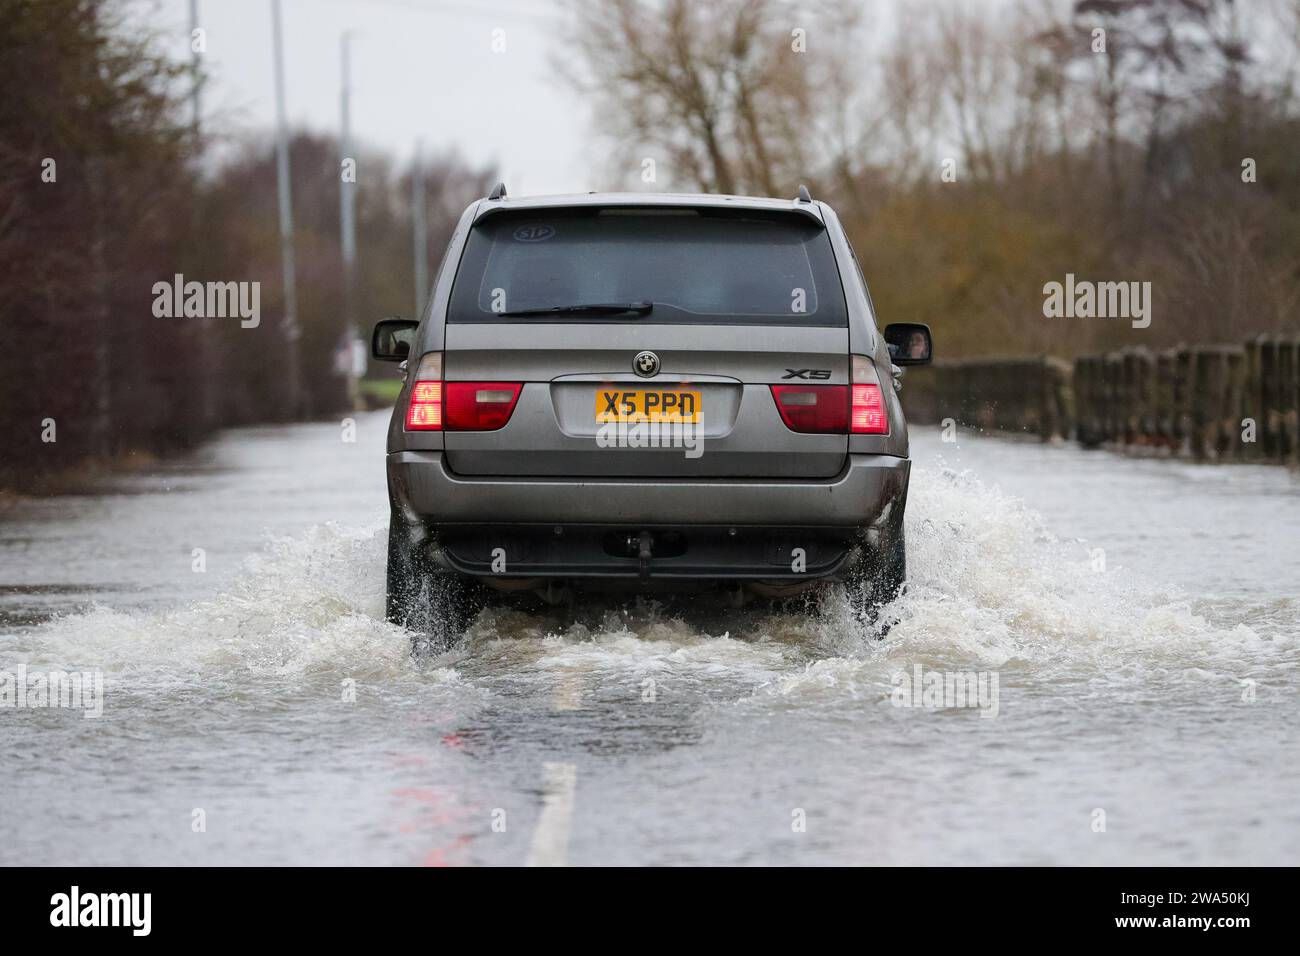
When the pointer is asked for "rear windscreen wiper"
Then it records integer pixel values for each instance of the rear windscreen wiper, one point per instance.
(591, 308)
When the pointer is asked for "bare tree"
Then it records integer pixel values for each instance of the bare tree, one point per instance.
(725, 94)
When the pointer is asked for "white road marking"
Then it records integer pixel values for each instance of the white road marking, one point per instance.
(568, 695)
(550, 845)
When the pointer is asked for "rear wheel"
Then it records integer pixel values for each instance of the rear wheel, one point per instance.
(434, 604)
(882, 573)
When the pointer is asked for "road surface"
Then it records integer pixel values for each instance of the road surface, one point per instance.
(1141, 618)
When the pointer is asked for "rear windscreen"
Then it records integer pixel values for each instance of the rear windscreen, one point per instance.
(701, 266)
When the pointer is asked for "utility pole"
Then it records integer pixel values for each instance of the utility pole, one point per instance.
(195, 112)
(289, 325)
(101, 390)
(347, 221)
(203, 347)
(420, 226)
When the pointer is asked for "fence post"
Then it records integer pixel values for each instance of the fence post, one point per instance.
(1164, 401)
(1234, 371)
(1058, 422)
(1252, 398)
(1289, 400)
(1203, 409)
(1184, 394)
(1141, 395)
(1114, 392)
(1083, 400)
(1270, 423)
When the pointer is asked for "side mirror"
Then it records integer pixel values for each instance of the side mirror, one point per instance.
(393, 339)
(909, 343)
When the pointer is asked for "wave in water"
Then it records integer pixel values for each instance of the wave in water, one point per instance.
(990, 588)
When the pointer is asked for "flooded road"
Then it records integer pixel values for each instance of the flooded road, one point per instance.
(1141, 619)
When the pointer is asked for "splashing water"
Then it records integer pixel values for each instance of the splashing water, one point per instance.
(989, 588)
(284, 700)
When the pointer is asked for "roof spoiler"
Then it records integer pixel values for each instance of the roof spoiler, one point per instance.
(499, 192)
(802, 207)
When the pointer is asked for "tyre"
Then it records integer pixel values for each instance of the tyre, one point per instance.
(434, 604)
(881, 575)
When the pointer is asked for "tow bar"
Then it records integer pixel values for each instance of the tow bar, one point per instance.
(645, 544)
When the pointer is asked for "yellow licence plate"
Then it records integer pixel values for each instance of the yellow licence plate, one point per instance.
(645, 405)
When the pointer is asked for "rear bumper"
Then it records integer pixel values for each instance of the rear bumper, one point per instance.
(690, 552)
(779, 532)
(428, 492)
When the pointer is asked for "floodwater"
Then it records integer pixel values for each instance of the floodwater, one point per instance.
(1141, 620)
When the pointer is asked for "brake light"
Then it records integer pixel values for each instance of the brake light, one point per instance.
(867, 416)
(480, 406)
(857, 409)
(819, 409)
(425, 411)
(437, 405)
(867, 413)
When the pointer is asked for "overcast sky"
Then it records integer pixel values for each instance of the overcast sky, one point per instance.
(420, 69)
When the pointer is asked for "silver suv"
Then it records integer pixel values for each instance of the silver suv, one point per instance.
(644, 392)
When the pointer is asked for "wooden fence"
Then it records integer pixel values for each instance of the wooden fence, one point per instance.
(1236, 403)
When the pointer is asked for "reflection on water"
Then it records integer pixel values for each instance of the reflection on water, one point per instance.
(267, 691)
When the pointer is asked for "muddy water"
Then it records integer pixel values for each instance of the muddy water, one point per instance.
(1141, 619)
